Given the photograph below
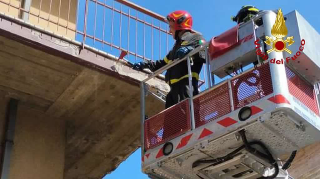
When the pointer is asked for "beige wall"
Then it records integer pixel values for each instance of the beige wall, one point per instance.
(48, 19)
(39, 146)
(54, 16)
(9, 10)
(306, 164)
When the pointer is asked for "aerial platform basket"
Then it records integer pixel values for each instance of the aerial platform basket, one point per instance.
(241, 126)
(241, 41)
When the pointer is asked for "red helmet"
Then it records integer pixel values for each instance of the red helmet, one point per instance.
(182, 20)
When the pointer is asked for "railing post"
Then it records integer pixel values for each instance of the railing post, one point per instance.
(77, 18)
(231, 95)
(142, 110)
(191, 95)
(255, 38)
(85, 25)
(208, 68)
(316, 88)
(26, 6)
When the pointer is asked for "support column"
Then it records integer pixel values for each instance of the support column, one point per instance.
(278, 71)
(26, 4)
(10, 130)
(143, 117)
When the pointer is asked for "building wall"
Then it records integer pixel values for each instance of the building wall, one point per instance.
(306, 164)
(6, 7)
(58, 16)
(54, 17)
(39, 146)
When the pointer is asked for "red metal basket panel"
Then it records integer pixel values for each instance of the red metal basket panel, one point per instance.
(251, 86)
(212, 105)
(166, 125)
(302, 90)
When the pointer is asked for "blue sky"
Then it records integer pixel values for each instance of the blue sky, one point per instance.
(210, 17)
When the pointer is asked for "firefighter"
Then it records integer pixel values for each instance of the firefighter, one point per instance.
(245, 14)
(180, 24)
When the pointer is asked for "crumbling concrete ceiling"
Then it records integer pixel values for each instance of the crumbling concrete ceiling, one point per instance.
(102, 111)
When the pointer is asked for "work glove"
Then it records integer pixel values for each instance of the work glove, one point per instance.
(139, 66)
(183, 51)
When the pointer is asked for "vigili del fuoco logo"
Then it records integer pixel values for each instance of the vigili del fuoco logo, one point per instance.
(277, 44)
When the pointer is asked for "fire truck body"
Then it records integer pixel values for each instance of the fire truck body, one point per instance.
(273, 104)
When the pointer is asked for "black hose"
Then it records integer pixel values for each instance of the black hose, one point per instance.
(267, 156)
(273, 162)
(226, 157)
(218, 160)
(253, 150)
(289, 161)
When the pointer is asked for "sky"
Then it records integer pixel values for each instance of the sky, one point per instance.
(210, 17)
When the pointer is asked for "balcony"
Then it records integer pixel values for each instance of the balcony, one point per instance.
(68, 64)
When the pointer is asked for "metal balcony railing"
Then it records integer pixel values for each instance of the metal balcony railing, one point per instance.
(115, 27)
(122, 27)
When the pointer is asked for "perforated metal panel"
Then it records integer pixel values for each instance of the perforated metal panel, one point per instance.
(165, 174)
(166, 125)
(212, 105)
(302, 90)
(177, 170)
(284, 137)
(279, 133)
(251, 86)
